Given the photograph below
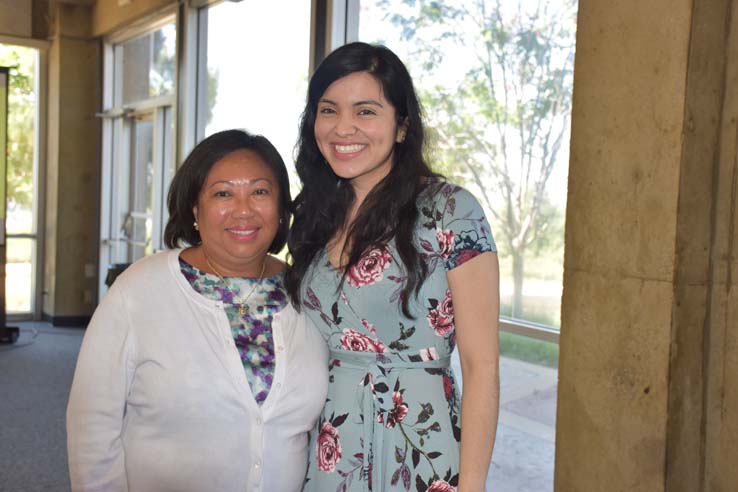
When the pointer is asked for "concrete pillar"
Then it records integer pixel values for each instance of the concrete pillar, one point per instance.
(648, 241)
(72, 185)
(721, 405)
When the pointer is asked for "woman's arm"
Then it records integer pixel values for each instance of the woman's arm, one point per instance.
(475, 295)
(97, 401)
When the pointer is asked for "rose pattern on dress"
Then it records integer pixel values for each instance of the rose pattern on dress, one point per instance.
(329, 450)
(466, 255)
(448, 387)
(445, 242)
(441, 486)
(441, 316)
(429, 353)
(369, 326)
(467, 245)
(369, 268)
(397, 414)
(358, 342)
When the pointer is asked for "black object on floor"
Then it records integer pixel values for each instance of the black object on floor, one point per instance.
(9, 334)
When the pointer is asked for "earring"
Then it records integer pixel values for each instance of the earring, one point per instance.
(194, 224)
(281, 220)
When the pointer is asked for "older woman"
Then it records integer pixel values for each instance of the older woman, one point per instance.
(196, 373)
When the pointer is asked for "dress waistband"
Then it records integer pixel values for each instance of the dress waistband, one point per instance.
(362, 360)
(382, 372)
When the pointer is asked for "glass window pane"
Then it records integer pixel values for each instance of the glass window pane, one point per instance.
(495, 79)
(246, 86)
(21, 137)
(142, 150)
(19, 274)
(148, 65)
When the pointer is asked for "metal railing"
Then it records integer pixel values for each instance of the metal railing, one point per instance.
(529, 329)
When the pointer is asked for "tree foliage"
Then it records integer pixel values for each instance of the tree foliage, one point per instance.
(21, 116)
(502, 127)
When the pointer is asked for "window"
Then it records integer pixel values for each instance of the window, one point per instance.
(22, 178)
(254, 70)
(495, 79)
(138, 144)
(145, 66)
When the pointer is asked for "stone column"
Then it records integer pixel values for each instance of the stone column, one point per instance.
(645, 252)
(721, 323)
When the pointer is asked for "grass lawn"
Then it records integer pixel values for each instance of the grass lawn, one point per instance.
(529, 349)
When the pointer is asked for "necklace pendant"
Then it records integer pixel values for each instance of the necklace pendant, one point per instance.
(243, 309)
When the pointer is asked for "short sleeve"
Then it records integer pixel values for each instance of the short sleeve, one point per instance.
(462, 229)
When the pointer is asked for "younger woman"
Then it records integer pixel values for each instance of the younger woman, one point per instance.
(396, 267)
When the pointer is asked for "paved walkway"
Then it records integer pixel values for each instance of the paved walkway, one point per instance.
(35, 375)
(524, 452)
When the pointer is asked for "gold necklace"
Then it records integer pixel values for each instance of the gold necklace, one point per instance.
(243, 308)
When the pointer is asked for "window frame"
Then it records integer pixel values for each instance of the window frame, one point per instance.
(39, 170)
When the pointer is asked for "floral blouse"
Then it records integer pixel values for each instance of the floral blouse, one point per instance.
(252, 331)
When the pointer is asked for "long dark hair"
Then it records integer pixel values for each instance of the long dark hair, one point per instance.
(190, 178)
(389, 210)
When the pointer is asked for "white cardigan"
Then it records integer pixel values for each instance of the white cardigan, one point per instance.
(160, 400)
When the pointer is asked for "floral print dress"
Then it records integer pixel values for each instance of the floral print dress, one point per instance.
(391, 421)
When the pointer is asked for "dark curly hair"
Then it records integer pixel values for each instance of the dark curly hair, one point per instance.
(389, 211)
(190, 178)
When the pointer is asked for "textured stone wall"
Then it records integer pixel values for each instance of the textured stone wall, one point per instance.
(721, 405)
(627, 120)
(647, 346)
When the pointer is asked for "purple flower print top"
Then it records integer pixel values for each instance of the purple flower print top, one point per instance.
(252, 331)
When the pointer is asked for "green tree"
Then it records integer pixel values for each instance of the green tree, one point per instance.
(21, 115)
(501, 128)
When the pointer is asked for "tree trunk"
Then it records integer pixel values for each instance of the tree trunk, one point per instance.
(518, 261)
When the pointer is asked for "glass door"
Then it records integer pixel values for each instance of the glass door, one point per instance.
(137, 146)
(137, 181)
